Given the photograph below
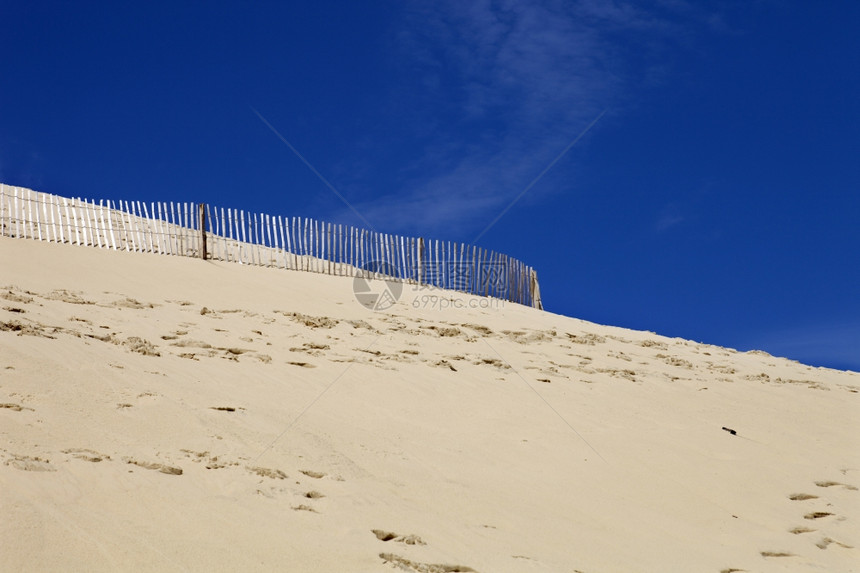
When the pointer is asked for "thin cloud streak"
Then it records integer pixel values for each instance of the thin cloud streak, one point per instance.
(538, 178)
(523, 78)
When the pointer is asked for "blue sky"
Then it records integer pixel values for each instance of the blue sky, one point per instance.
(716, 197)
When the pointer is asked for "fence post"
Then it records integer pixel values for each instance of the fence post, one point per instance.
(201, 210)
(535, 291)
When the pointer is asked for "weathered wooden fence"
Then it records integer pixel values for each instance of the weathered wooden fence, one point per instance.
(296, 243)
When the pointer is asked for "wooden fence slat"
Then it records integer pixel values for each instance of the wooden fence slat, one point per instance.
(93, 223)
(130, 229)
(93, 227)
(142, 228)
(3, 210)
(128, 233)
(126, 226)
(315, 251)
(324, 248)
(27, 214)
(19, 215)
(285, 240)
(279, 232)
(109, 225)
(374, 254)
(85, 222)
(237, 244)
(70, 206)
(151, 228)
(13, 212)
(147, 227)
(162, 229)
(251, 246)
(180, 244)
(50, 218)
(177, 218)
(48, 212)
(71, 227)
(14, 216)
(101, 228)
(361, 259)
(141, 237)
(38, 222)
(49, 205)
(138, 228)
(212, 227)
(314, 238)
(22, 215)
(223, 232)
(172, 241)
(305, 244)
(115, 218)
(317, 244)
(41, 217)
(33, 210)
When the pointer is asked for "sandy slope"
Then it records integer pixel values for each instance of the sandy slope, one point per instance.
(282, 425)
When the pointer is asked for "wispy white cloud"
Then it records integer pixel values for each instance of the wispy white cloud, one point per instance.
(499, 89)
(669, 217)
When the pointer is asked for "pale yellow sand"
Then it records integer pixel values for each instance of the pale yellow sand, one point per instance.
(139, 431)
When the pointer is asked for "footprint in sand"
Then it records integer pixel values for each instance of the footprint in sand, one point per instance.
(835, 483)
(825, 542)
(408, 565)
(86, 455)
(163, 468)
(30, 464)
(386, 536)
(15, 407)
(799, 530)
(267, 472)
(801, 496)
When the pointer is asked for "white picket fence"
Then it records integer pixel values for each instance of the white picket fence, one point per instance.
(294, 243)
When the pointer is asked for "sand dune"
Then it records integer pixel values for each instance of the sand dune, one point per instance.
(161, 413)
